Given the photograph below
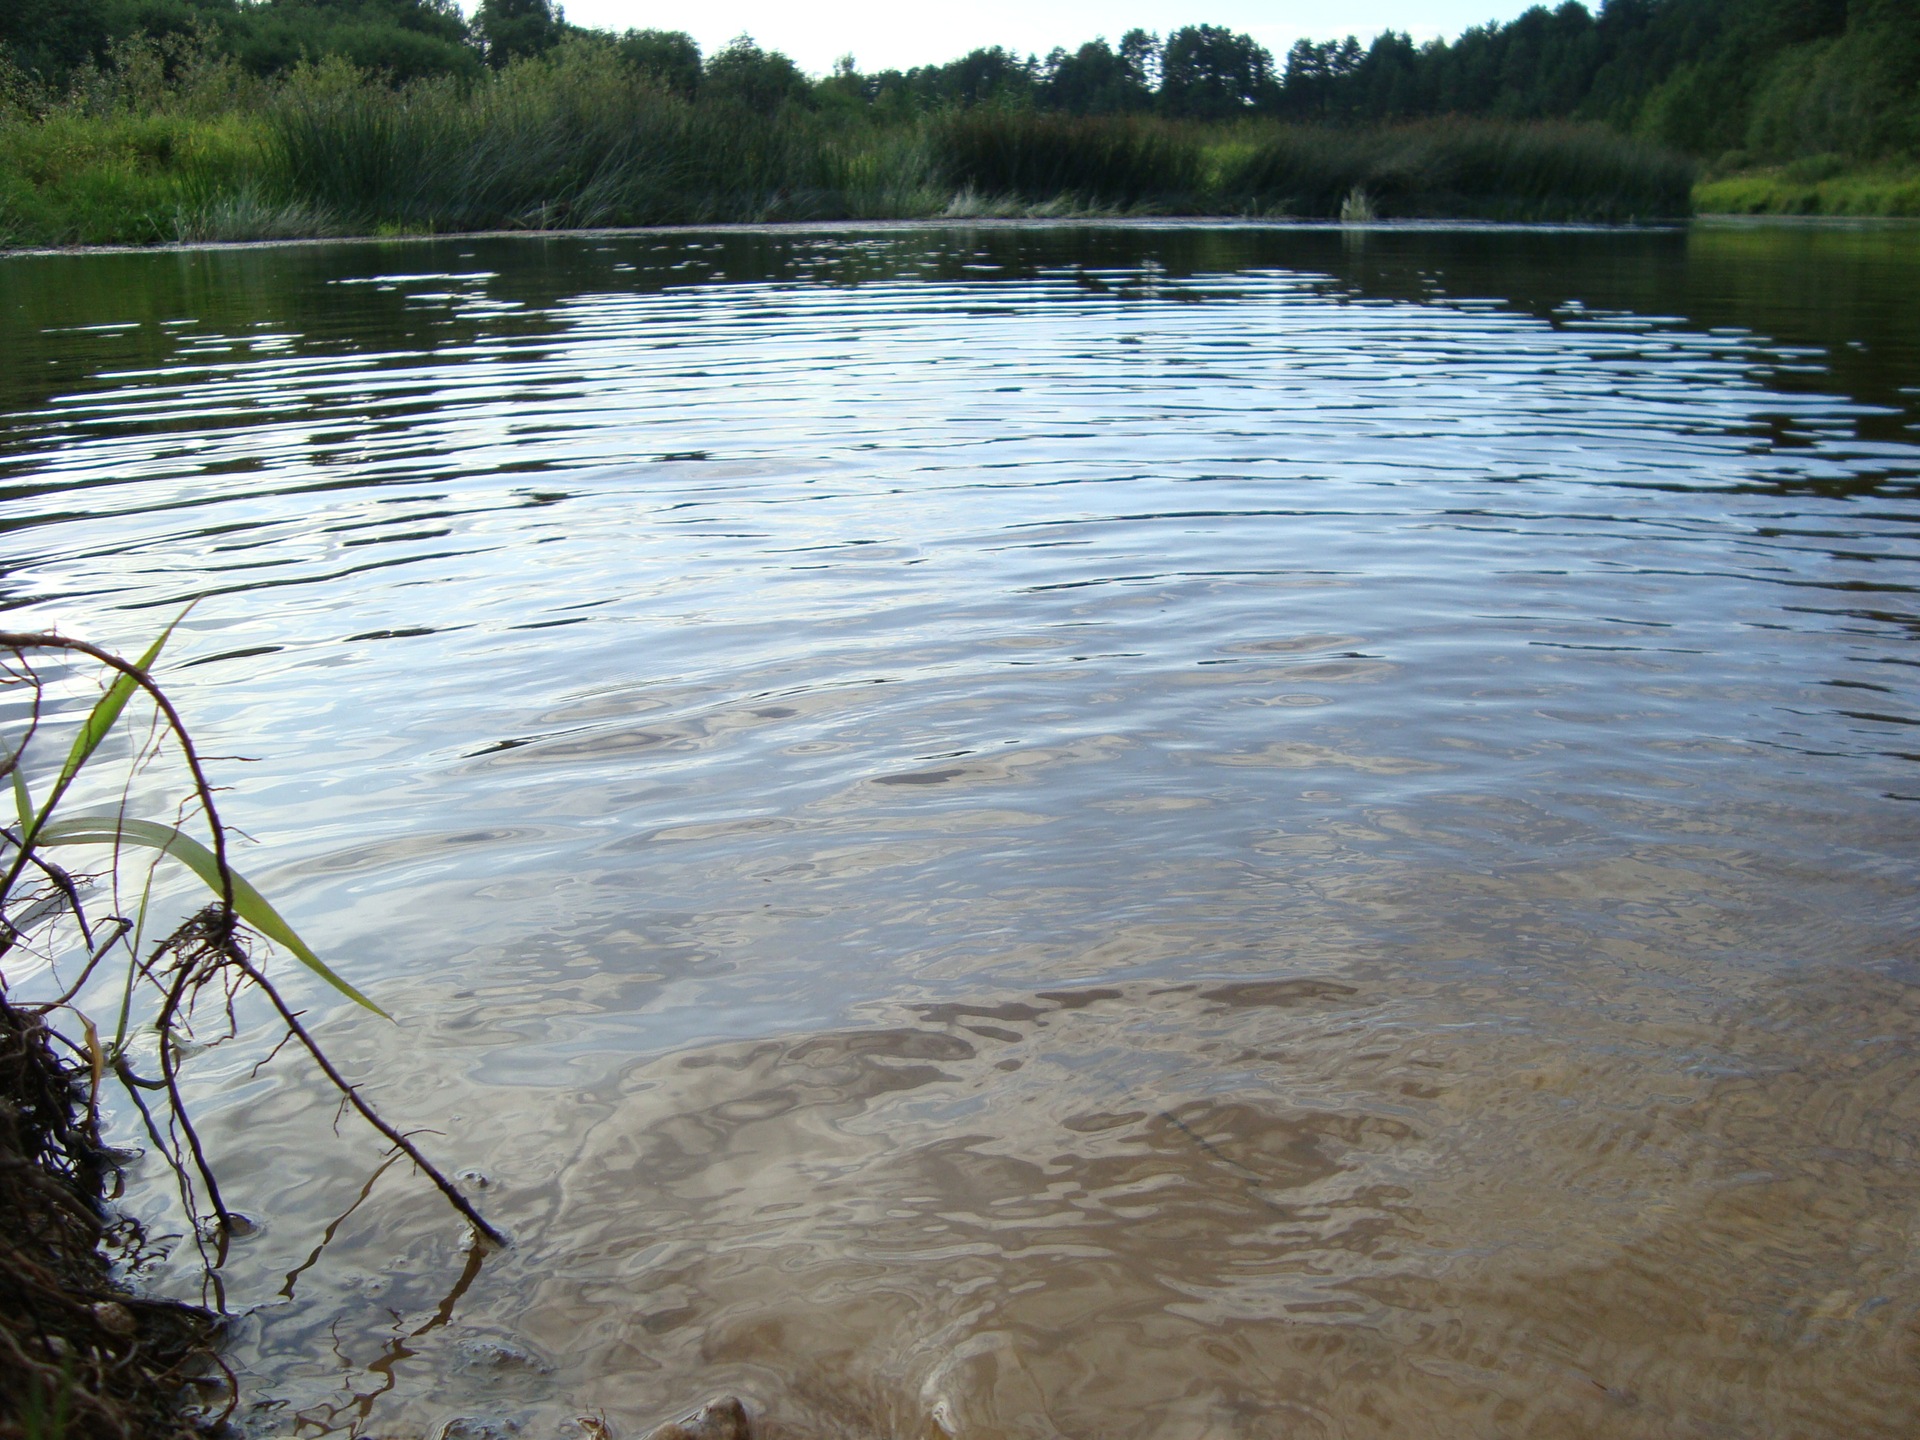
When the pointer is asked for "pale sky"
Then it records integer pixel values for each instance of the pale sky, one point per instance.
(886, 34)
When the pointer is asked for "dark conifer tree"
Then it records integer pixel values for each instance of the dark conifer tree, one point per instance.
(1208, 72)
(1094, 80)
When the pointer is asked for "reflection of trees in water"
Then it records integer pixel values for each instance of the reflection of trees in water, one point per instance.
(1854, 291)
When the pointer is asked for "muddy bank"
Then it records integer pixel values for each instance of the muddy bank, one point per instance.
(80, 1355)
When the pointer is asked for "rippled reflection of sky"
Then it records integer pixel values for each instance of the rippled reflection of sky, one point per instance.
(880, 34)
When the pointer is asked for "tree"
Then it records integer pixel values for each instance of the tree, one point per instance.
(54, 37)
(401, 39)
(1140, 53)
(1209, 72)
(1093, 80)
(762, 80)
(845, 89)
(1390, 87)
(514, 29)
(992, 73)
(669, 56)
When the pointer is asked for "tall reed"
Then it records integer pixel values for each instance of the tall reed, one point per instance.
(576, 141)
(1469, 169)
(1117, 161)
(579, 138)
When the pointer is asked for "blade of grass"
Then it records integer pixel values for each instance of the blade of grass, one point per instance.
(99, 723)
(106, 711)
(133, 971)
(248, 903)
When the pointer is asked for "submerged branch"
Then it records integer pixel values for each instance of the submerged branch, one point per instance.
(353, 1097)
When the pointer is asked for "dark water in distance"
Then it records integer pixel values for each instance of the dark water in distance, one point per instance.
(1026, 831)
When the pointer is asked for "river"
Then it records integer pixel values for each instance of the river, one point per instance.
(1152, 830)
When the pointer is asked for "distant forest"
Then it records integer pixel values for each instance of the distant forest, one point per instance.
(1725, 79)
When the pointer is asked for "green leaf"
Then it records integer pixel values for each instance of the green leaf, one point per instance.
(22, 802)
(106, 711)
(248, 903)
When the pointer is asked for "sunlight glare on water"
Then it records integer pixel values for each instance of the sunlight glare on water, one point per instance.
(1133, 832)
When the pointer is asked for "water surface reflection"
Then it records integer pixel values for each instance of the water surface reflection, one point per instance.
(1145, 831)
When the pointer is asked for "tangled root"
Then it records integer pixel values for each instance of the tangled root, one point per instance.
(79, 1354)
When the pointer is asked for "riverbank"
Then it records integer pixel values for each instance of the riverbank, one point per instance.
(82, 1355)
(148, 183)
(343, 172)
(1827, 187)
(576, 143)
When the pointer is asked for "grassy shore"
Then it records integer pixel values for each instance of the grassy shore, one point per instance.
(579, 141)
(1824, 185)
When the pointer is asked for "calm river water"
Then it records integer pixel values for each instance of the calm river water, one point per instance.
(1019, 831)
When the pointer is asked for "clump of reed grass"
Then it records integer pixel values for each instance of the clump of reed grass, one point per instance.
(87, 998)
(1475, 169)
(248, 212)
(879, 173)
(1120, 162)
(1292, 170)
(569, 141)
(1537, 171)
(578, 138)
(1471, 169)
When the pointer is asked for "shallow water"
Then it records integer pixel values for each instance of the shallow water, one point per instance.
(1013, 831)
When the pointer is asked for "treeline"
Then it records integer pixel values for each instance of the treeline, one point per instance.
(1760, 79)
(1776, 79)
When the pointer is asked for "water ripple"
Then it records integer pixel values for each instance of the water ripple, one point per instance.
(1182, 831)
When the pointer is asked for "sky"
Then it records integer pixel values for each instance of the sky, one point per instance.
(897, 34)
